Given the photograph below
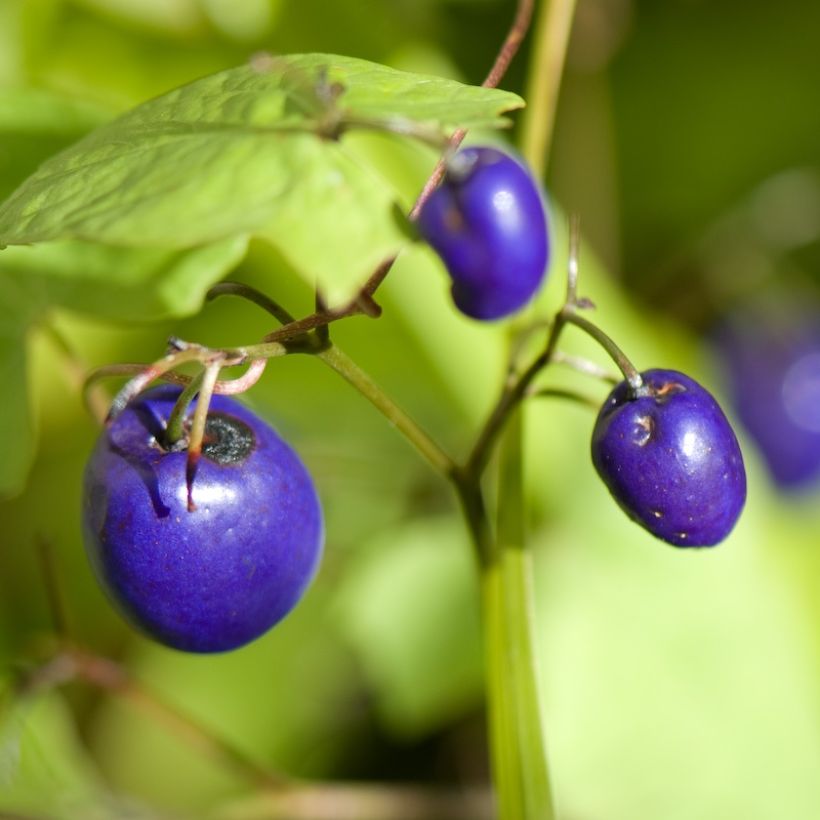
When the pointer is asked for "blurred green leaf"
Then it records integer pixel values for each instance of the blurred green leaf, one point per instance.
(238, 152)
(288, 700)
(44, 769)
(409, 605)
(114, 283)
(29, 111)
(34, 124)
(130, 284)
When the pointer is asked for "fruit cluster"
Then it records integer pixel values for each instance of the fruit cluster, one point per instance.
(214, 578)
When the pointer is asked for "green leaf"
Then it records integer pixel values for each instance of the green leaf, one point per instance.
(126, 284)
(45, 770)
(114, 283)
(43, 766)
(240, 152)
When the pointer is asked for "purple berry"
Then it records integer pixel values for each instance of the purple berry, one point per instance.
(216, 578)
(772, 358)
(487, 222)
(670, 459)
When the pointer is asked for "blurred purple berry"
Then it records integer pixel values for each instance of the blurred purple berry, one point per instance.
(488, 224)
(771, 357)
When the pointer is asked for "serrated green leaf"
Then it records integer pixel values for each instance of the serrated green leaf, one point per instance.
(239, 152)
(126, 284)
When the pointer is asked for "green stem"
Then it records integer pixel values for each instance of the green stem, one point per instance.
(352, 373)
(631, 374)
(206, 390)
(518, 754)
(518, 749)
(569, 395)
(550, 41)
(175, 429)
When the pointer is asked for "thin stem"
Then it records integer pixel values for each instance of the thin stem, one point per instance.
(114, 678)
(512, 42)
(94, 398)
(631, 374)
(352, 373)
(136, 385)
(569, 395)
(516, 390)
(184, 353)
(511, 395)
(73, 663)
(550, 41)
(206, 390)
(585, 366)
(509, 48)
(252, 295)
(232, 387)
(300, 327)
(175, 429)
(227, 387)
(573, 258)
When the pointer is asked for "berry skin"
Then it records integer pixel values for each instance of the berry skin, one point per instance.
(216, 578)
(771, 354)
(487, 223)
(670, 459)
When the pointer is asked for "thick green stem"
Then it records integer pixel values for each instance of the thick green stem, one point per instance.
(519, 755)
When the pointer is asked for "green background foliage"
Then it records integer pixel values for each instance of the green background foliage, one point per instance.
(675, 684)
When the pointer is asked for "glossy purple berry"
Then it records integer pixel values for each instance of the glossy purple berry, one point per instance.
(487, 223)
(670, 459)
(771, 354)
(218, 577)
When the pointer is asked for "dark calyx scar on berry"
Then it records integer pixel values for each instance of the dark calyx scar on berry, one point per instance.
(216, 578)
(670, 459)
(488, 224)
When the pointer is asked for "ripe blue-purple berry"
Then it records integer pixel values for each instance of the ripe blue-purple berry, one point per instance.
(487, 223)
(218, 577)
(670, 459)
(771, 353)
